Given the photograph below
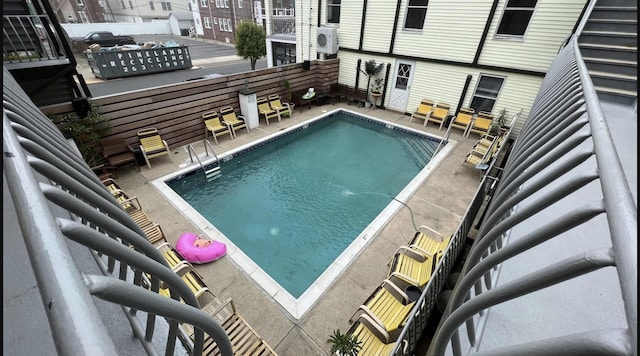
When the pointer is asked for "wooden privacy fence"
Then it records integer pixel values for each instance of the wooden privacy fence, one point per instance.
(176, 109)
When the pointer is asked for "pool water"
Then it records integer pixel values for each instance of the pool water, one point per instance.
(295, 204)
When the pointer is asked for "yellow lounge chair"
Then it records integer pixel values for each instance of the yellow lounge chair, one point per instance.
(463, 120)
(266, 111)
(439, 115)
(423, 111)
(481, 124)
(173, 257)
(388, 305)
(410, 267)
(429, 242)
(152, 145)
(280, 107)
(190, 277)
(234, 121)
(373, 338)
(213, 125)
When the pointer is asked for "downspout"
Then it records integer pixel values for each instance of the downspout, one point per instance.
(386, 82)
(317, 26)
(485, 32)
(464, 93)
(310, 8)
(213, 27)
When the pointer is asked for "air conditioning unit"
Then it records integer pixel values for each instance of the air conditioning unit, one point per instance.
(327, 40)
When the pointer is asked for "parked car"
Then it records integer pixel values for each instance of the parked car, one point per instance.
(105, 39)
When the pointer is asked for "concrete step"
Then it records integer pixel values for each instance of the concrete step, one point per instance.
(609, 38)
(614, 12)
(616, 81)
(614, 25)
(613, 66)
(624, 53)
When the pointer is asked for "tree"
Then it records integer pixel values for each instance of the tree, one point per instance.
(251, 42)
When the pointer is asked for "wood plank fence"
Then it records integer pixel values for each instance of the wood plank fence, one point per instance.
(176, 109)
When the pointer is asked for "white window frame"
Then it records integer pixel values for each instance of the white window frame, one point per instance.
(131, 4)
(151, 6)
(221, 24)
(79, 3)
(215, 20)
(218, 3)
(506, 20)
(82, 15)
(410, 9)
(123, 5)
(487, 93)
(203, 3)
(330, 6)
(207, 22)
(239, 4)
(229, 25)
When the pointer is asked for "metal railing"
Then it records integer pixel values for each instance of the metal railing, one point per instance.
(30, 38)
(565, 116)
(285, 25)
(57, 197)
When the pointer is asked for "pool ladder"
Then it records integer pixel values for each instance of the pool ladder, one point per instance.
(209, 174)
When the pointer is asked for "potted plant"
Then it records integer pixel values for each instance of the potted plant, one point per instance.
(343, 344)
(371, 69)
(499, 123)
(287, 85)
(86, 132)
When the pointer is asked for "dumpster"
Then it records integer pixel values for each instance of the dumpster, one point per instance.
(107, 64)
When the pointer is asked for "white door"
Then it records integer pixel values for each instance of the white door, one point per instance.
(401, 84)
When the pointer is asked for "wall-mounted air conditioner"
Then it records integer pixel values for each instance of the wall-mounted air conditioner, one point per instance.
(327, 40)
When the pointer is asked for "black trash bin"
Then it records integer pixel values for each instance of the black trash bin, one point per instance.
(137, 153)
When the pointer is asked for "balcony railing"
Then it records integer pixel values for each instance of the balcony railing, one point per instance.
(31, 38)
(285, 25)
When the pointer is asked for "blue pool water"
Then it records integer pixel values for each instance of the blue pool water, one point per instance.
(294, 204)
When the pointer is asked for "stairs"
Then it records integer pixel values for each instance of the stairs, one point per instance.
(421, 151)
(213, 173)
(609, 48)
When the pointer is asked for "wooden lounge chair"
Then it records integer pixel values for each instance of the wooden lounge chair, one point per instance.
(152, 145)
(438, 115)
(336, 92)
(481, 124)
(265, 111)
(244, 339)
(423, 111)
(214, 126)
(234, 121)
(152, 230)
(463, 120)
(374, 339)
(388, 305)
(277, 105)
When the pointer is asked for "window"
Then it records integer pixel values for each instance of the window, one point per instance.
(516, 17)
(226, 3)
(122, 2)
(486, 93)
(203, 3)
(83, 17)
(221, 24)
(215, 20)
(79, 2)
(207, 22)
(130, 4)
(218, 3)
(239, 4)
(166, 6)
(333, 11)
(151, 6)
(229, 27)
(416, 12)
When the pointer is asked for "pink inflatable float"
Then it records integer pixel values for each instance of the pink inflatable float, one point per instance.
(197, 250)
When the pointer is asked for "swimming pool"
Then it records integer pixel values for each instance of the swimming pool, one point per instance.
(300, 201)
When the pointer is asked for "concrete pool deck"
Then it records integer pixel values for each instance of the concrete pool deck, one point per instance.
(439, 203)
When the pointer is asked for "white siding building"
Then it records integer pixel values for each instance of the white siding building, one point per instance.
(485, 54)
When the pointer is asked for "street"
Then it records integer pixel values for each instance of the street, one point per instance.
(207, 58)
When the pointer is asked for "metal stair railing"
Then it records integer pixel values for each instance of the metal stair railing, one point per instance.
(209, 174)
(57, 197)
